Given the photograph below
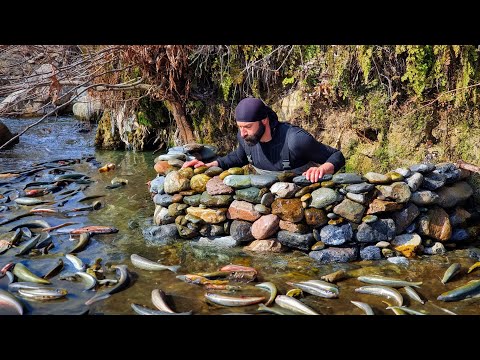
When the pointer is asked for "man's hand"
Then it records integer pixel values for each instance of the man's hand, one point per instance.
(317, 172)
(196, 163)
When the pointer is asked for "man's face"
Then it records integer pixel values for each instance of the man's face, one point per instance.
(251, 132)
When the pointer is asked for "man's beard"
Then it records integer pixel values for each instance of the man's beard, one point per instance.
(252, 140)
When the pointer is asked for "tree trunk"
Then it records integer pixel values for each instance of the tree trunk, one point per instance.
(185, 129)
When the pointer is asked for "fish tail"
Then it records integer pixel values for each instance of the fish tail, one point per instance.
(174, 268)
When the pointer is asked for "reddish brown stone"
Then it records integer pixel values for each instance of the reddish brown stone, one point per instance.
(288, 209)
(265, 226)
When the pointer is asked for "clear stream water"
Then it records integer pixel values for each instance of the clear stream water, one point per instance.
(130, 208)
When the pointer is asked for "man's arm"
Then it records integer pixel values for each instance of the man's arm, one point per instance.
(237, 157)
(304, 146)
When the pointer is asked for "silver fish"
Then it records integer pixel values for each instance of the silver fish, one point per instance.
(470, 289)
(407, 310)
(290, 303)
(275, 309)
(159, 300)
(381, 290)
(25, 285)
(364, 306)
(271, 288)
(387, 281)
(143, 310)
(27, 246)
(77, 263)
(452, 270)
(28, 201)
(317, 287)
(413, 294)
(145, 264)
(89, 279)
(122, 282)
(233, 300)
(7, 299)
(46, 293)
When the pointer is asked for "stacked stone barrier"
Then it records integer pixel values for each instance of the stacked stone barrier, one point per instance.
(424, 209)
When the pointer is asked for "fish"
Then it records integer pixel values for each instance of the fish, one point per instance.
(296, 292)
(443, 309)
(8, 299)
(159, 299)
(90, 197)
(89, 280)
(37, 223)
(95, 229)
(55, 270)
(43, 293)
(69, 176)
(143, 310)
(317, 287)
(364, 306)
(122, 282)
(387, 281)
(276, 309)
(25, 285)
(295, 305)
(413, 294)
(271, 288)
(58, 226)
(28, 201)
(82, 242)
(397, 310)
(29, 244)
(200, 280)
(44, 240)
(5, 268)
(381, 290)
(473, 267)
(451, 272)
(470, 289)
(24, 274)
(407, 310)
(233, 300)
(145, 264)
(77, 263)
(43, 210)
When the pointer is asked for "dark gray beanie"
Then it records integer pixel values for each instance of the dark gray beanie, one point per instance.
(250, 110)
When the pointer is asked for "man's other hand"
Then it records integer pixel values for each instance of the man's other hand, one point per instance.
(196, 163)
(317, 172)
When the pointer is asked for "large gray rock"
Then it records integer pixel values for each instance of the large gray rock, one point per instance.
(297, 241)
(336, 235)
(370, 253)
(161, 235)
(323, 197)
(86, 107)
(241, 231)
(449, 196)
(405, 217)
(381, 230)
(334, 255)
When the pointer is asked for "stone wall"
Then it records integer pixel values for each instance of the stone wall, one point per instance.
(422, 209)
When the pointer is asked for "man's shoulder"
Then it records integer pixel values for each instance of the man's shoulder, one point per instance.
(295, 131)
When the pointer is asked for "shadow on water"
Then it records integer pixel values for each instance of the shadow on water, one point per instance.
(129, 208)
